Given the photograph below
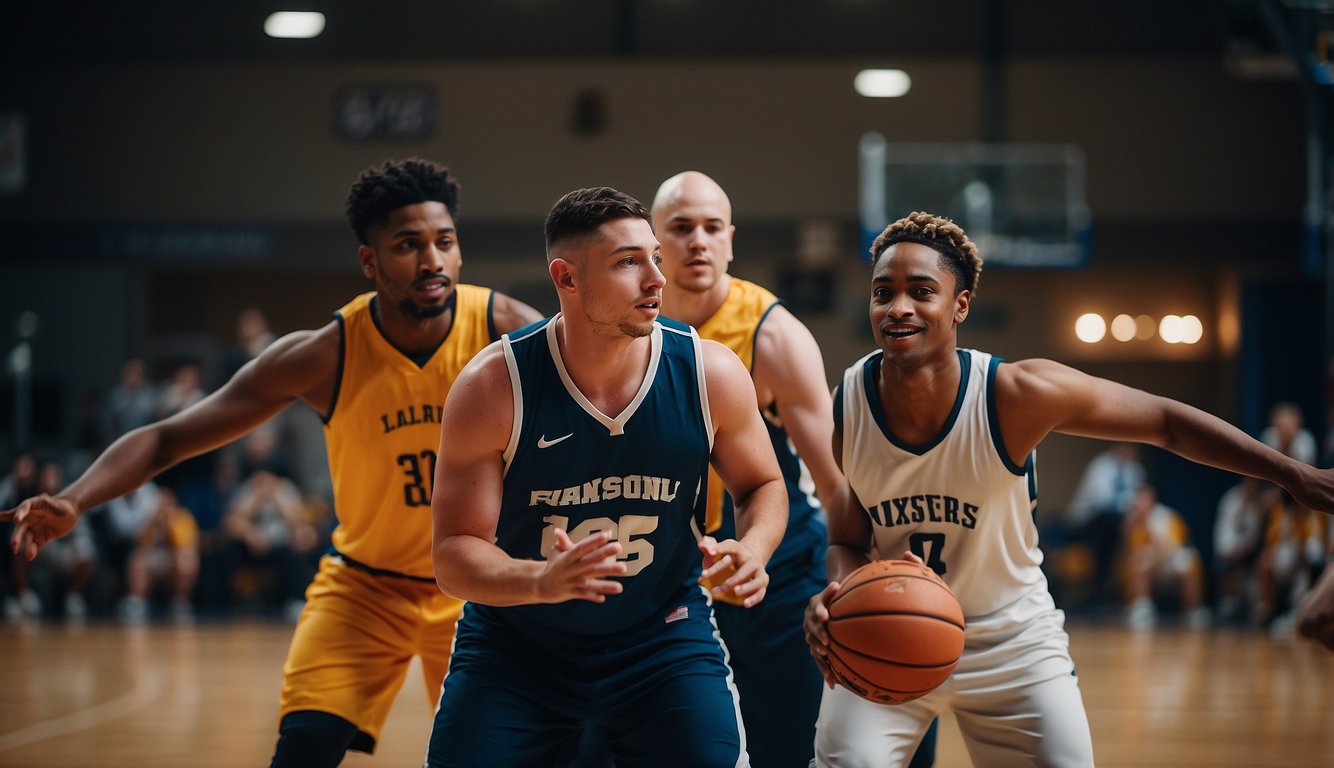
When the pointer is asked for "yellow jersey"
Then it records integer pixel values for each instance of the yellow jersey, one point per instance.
(383, 429)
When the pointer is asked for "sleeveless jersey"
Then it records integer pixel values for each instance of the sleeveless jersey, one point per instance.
(383, 430)
(959, 501)
(736, 324)
(639, 475)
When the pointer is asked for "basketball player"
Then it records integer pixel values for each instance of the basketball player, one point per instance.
(569, 514)
(780, 688)
(378, 375)
(938, 446)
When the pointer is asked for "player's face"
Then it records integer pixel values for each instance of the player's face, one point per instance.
(415, 259)
(696, 233)
(914, 309)
(621, 284)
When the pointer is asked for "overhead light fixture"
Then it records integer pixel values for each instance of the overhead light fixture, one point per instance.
(882, 83)
(1090, 328)
(294, 24)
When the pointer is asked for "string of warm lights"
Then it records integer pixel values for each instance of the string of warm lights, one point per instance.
(1092, 328)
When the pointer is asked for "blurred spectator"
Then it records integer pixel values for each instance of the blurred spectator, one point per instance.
(193, 478)
(1238, 538)
(269, 535)
(1097, 511)
(165, 555)
(1159, 556)
(182, 390)
(19, 598)
(1287, 434)
(252, 336)
(66, 564)
(123, 519)
(131, 403)
(1295, 549)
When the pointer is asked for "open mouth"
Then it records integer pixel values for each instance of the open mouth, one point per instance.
(900, 331)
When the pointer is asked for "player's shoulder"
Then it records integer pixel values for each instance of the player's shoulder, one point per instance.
(313, 351)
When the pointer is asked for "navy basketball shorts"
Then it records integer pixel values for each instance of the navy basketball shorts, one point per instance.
(662, 693)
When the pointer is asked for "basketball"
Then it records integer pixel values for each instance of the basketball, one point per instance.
(895, 631)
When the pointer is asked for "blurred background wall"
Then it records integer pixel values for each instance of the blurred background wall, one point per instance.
(176, 167)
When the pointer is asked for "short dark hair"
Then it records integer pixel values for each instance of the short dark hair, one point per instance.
(582, 211)
(398, 183)
(958, 254)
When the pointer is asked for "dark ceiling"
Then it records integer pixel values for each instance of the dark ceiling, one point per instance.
(44, 34)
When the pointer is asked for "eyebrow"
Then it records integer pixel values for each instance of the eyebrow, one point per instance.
(923, 278)
(408, 231)
(710, 219)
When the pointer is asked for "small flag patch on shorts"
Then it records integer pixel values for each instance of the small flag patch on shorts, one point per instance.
(681, 612)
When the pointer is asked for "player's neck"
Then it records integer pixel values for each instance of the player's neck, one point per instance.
(695, 307)
(608, 368)
(917, 400)
(409, 334)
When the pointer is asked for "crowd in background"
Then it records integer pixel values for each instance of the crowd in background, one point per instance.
(240, 530)
(234, 531)
(1122, 548)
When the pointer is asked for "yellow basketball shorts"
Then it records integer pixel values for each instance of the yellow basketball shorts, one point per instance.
(355, 639)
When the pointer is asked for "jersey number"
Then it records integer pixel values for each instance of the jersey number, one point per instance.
(419, 468)
(636, 551)
(929, 547)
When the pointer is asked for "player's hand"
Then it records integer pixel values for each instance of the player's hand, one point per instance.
(910, 557)
(38, 520)
(817, 633)
(748, 580)
(1316, 489)
(579, 571)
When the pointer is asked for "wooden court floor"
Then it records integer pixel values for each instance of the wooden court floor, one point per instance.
(206, 696)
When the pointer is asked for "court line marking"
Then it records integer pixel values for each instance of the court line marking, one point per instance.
(138, 697)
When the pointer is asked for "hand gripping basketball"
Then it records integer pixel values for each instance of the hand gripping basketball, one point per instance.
(895, 631)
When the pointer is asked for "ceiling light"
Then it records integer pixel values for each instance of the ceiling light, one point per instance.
(294, 24)
(882, 83)
(1123, 327)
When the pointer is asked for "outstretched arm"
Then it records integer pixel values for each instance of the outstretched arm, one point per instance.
(1035, 397)
(465, 506)
(745, 461)
(300, 365)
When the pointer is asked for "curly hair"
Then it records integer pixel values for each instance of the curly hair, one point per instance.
(958, 254)
(398, 183)
(582, 211)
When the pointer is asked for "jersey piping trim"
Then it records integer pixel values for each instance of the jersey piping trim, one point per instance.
(338, 368)
(755, 337)
(516, 394)
(700, 381)
(616, 426)
(993, 422)
(491, 332)
(869, 370)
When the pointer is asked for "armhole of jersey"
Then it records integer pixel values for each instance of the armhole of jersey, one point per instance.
(703, 386)
(839, 424)
(338, 370)
(755, 339)
(491, 316)
(517, 393)
(993, 423)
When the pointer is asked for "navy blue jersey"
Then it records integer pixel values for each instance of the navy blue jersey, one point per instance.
(640, 475)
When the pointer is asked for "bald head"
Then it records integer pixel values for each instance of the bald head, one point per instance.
(692, 218)
(690, 188)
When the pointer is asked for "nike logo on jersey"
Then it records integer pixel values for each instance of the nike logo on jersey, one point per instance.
(543, 442)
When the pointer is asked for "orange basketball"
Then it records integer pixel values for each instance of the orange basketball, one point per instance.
(895, 631)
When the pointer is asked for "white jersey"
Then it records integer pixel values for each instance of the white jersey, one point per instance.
(958, 501)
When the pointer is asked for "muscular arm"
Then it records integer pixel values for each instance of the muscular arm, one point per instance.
(465, 506)
(300, 365)
(789, 372)
(745, 461)
(509, 314)
(1035, 397)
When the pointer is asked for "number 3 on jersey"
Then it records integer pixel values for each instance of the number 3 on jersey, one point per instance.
(419, 469)
(630, 530)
